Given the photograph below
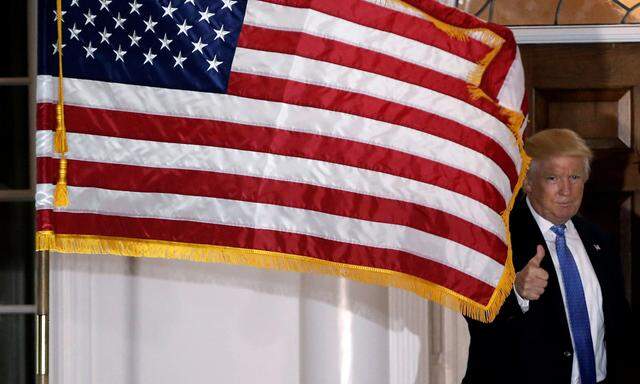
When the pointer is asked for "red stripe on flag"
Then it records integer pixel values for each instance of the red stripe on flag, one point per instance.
(262, 139)
(44, 220)
(305, 45)
(496, 72)
(292, 92)
(46, 116)
(284, 193)
(397, 23)
(274, 241)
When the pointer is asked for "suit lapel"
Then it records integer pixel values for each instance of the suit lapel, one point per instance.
(597, 257)
(551, 301)
(594, 249)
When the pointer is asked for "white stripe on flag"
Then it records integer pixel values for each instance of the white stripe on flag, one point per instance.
(285, 66)
(179, 103)
(512, 92)
(154, 154)
(279, 17)
(399, 6)
(279, 218)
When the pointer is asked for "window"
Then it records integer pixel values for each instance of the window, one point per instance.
(17, 185)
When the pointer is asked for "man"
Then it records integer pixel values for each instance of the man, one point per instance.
(566, 318)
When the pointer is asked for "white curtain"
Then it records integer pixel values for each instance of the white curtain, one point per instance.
(126, 320)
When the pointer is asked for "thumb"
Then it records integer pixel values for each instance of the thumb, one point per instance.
(537, 258)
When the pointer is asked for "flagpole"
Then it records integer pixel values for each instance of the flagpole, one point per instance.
(42, 317)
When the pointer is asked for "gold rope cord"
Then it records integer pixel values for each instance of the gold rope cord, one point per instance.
(61, 196)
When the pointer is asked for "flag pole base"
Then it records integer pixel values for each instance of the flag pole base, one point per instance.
(42, 317)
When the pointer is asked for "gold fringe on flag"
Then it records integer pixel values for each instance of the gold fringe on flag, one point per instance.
(47, 240)
(477, 93)
(61, 197)
(475, 77)
(486, 36)
(452, 31)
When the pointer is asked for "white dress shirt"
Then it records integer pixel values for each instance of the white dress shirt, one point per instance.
(590, 284)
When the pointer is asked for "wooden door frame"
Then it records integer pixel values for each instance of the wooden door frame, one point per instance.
(564, 34)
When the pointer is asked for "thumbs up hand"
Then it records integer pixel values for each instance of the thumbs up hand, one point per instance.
(532, 280)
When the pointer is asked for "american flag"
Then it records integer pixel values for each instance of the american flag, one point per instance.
(377, 140)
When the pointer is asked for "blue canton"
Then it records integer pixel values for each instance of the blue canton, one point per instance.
(180, 44)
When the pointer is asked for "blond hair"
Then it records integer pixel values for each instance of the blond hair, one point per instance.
(557, 142)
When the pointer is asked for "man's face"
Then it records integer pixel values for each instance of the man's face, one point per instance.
(555, 187)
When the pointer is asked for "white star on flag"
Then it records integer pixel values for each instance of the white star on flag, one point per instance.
(150, 25)
(119, 21)
(214, 63)
(220, 33)
(168, 10)
(89, 49)
(119, 54)
(183, 28)
(74, 32)
(198, 46)
(55, 47)
(75, 2)
(55, 15)
(206, 15)
(179, 60)
(105, 36)
(135, 7)
(148, 57)
(134, 39)
(89, 18)
(228, 4)
(104, 4)
(165, 42)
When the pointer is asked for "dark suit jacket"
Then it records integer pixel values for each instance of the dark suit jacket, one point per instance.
(535, 347)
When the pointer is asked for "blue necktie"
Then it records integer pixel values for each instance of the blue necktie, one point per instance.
(577, 307)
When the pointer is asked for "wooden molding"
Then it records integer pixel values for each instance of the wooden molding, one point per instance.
(553, 34)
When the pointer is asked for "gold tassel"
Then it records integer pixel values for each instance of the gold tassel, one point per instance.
(61, 197)
(45, 240)
(60, 139)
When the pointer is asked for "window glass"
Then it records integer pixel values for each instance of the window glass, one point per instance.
(16, 349)
(13, 29)
(14, 137)
(17, 258)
